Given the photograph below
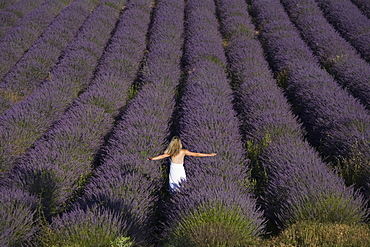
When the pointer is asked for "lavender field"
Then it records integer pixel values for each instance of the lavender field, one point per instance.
(279, 89)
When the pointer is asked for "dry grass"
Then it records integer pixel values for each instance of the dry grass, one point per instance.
(312, 234)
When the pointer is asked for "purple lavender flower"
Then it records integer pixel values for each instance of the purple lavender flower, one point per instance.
(30, 118)
(350, 22)
(338, 56)
(18, 212)
(364, 6)
(12, 11)
(207, 123)
(291, 179)
(67, 150)
(79, 136)
(125, 183)
(142, 130)
(35, 64)
(25, 33)
(336, 123)
(89, 227)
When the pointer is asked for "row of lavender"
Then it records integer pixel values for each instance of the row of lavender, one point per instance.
(97, 193)
(19, 217)
(204, 60)
(295, 185)
(126, 185)
(17, 40)
(53, 168)
(215, 206)
(66, 151)
(350, 22)
(336, 123)
(335, 54)
(364, 6)
(5, 3)
(25, 122)
(33, 67)
(14, 10)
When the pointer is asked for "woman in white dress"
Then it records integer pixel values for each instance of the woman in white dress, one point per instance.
(176, 155)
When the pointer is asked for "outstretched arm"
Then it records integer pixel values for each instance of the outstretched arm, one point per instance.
(187, 152)
(159, 157)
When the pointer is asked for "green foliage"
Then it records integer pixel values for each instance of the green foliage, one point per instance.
(132, 92)
(84, 237)
(239, 28)
(327, 209)
(19, 223)
(44, 185)
(122, 242)
(217, 226)
(312, 234)
(282, 78)
(114, 5)
(254, 147)
(85, 233)
(11, 95)
(103, 103)
(215, 60)
(352, 171)
(355, 167)
(258, 173)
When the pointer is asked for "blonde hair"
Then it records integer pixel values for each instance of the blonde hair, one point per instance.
(174, 147)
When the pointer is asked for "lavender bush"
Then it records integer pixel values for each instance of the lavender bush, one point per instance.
(350, 22)
(35, 64)
(364, 6)
(131, 195)
(213, 215)
(80, 132)
(334, 53)
(125, 183)
(214, 206)
(336, 123)
(25, 33)
(13, 10)
(292, 180)
(29, 119)
(88, 227)
(74, 150)
(5, 3)
(18, 212)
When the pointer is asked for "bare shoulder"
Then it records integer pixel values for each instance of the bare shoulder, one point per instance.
(189, 153)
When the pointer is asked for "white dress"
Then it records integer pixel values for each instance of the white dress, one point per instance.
(177, 175)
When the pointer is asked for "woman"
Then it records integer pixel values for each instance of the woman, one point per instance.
(176, 155)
